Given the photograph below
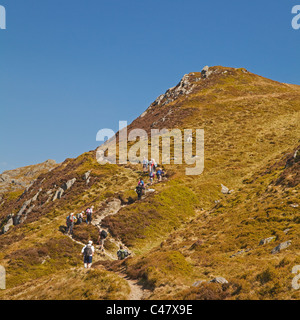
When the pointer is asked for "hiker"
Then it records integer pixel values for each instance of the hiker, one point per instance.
(151, 176)
(89, 213)
(141, 183)
(153, 166)
(70, 223)
(80, 217)
(145, 164)
(122, 253)
(159, 174)
(88, 252)
(139, 191)
(101, 238)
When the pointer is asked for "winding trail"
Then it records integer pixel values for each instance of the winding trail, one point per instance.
(137, 292)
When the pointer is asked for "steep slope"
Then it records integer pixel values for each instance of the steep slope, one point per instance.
(21, 178)
(187, 230)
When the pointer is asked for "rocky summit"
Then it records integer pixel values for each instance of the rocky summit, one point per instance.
(230, 233)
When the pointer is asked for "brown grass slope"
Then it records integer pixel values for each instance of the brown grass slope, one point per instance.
(179, 234)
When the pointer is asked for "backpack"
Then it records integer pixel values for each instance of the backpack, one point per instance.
(122, 254)
(103, 234)
(88, 251)
(88, 212)
(68, 220)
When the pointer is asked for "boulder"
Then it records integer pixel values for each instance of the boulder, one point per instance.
(67, 185)
(36, 196)
(205, 73)
(58, 194)
(9, 223)
(267, 240)
(225, 190)
(86, 175)
(197, 283)
(281, 246)
(220, 280)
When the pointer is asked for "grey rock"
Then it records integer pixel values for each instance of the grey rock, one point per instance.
(281, 246)
(197, 283)
(9, 223)
(67, 185)
(267, 240)
(86, 175)
(220, 280)
(36, 196)
(58, 194)
(225, 190)
(205, 73)
(25, 205)
(30, 209)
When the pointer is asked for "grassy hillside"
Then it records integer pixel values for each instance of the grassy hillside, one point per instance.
(186, 231)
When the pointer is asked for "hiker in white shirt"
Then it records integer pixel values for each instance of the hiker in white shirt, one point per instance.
(88, 251)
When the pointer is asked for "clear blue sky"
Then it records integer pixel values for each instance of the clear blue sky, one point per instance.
(69, 68)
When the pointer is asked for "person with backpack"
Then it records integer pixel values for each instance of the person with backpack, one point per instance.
(153, 165)
(145, 164)
(101, 238)
(89, 212)
(141, 182)
(122, 253)
(159, 174)
(88, 251)
(151, 177)
(70, 223)
(139, 191)
(80, 217)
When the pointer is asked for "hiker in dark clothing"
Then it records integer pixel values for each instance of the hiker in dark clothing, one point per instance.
(70, 223)
(101, 238)
(89, 214)
(122, 253)
(139, 191)
(80, 217)
(159, 174)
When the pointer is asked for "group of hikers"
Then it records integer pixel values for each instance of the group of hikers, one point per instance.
(88, 250)
(73, 219)
(152, 167)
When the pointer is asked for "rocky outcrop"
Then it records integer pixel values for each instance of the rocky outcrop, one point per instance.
(184, 87)
(240, 253)
(281, 246)
(225, 190)
(86, 177)
(58, 194)
(220, 280)
(205, 73)
(267, 240)
(8, 224)
(20, 178)
(67, 185)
